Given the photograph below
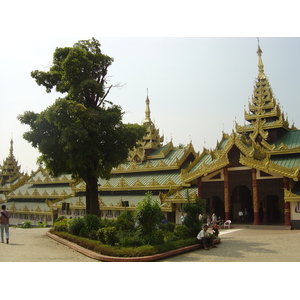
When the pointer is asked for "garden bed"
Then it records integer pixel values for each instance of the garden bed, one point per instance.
(103, 257)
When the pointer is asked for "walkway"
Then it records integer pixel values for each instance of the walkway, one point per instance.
(32, 245)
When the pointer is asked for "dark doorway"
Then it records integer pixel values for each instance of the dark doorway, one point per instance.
(241, 198)
(270, 211)
(171, 216)
(218, 207)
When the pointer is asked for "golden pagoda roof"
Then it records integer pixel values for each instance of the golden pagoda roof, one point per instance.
(10, 170)
(264, 113)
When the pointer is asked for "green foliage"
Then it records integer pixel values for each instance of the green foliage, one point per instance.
(126, 220)
(91, 222)
(41, 225)
(168, 226)
(60, 218)
(61, 225)
(192, 211)
(148, 215)
(75, 226)
(182, 231)
(126, 251)
(84, 232)
(108, 223)
(108, 235)
(26, 224)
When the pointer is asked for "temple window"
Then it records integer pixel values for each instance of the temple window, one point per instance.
(109, 214)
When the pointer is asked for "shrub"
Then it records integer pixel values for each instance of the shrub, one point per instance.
(169, 226)
(192, 211)
(129, 239)
(60, 218)
(125, 220)
(61, 225)
(26, 224)
(107, 223)
(170, 237)
(148, 216)
(182, 231)
(108, 235)
(125, 252)
(92, 222)
(75, 226)
(84, 232)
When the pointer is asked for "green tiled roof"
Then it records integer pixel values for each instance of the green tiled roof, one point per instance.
(286, 161)
(206, 159)
(170, 159)
(145, 178)
(290, 138)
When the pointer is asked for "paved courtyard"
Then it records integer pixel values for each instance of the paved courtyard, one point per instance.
(238, 244)
(249, 244)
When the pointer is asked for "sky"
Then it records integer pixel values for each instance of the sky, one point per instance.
(199, 81)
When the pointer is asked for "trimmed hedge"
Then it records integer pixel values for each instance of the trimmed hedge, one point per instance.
(119, 251)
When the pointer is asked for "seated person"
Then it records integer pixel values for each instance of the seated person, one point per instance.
(219, 221)
(205, 239)
(215, 230)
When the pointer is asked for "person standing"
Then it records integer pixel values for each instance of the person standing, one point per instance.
(246, 215)
(214, 219)
(241, 216)
(4, 224)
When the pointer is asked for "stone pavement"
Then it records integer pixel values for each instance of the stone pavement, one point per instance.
(238, 244)
(252, 243)
(32, 245)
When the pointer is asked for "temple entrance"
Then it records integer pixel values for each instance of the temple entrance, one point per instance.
(241, 198)
(218, 207)
(271, 211)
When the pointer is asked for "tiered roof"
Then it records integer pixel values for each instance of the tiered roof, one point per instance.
(10, 175)
(266, 143)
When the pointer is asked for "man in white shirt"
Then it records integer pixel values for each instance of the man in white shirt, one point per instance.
(205, 239)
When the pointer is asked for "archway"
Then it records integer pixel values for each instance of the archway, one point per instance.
(241, 198)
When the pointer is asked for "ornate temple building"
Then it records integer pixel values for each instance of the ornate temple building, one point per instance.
(151, 167)
(255, 168)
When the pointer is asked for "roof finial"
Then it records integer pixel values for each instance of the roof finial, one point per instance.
(11, 146)
(147, 111)
(261, 74)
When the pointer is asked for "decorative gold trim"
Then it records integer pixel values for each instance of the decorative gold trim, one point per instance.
(290, 197)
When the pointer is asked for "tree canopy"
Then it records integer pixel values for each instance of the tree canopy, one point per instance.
(82, 133)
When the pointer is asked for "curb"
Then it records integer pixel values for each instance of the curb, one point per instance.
(107, 258)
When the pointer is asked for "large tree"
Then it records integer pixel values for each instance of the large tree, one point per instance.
(82, 133)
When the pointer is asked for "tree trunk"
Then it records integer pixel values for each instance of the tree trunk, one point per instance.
(92, 204)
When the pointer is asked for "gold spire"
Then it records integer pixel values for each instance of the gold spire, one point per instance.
(147, 111)
(11, 148)
(261, 74)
